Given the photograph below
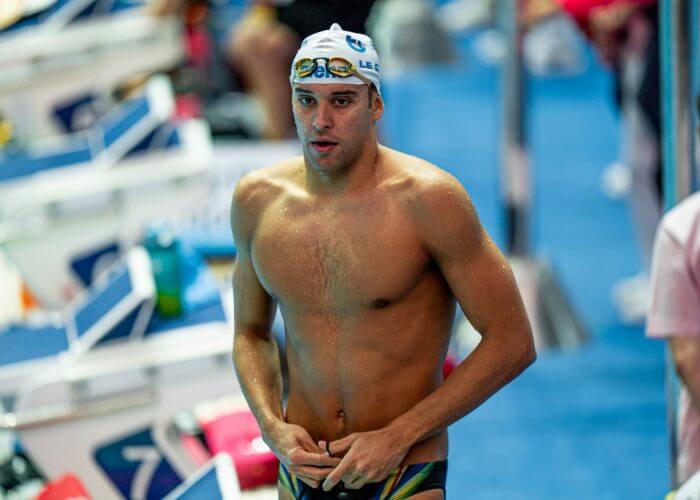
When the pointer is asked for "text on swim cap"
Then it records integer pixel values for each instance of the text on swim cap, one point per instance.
(368, 65)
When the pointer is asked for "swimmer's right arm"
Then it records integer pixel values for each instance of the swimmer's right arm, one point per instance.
(255, 353)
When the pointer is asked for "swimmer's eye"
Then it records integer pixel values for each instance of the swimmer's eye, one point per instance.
(342, 102)
(305, 100)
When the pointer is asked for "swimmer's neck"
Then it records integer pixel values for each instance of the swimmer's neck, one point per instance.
(356, 177)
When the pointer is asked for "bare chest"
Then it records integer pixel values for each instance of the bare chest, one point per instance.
(338, 261)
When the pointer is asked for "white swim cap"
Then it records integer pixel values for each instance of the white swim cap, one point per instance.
(335, 42)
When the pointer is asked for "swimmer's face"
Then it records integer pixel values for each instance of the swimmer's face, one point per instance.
(335, 122)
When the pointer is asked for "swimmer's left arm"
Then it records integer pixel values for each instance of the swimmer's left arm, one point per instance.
(482, 282)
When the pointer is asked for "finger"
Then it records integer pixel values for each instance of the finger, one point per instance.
(341, 446)
(338, 473)
(324, 447)
(308, 443)
(354, 481)
(302, 457)
(356, 485)
(315, 473)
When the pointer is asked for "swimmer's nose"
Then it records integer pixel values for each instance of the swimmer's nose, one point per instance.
(322, 120)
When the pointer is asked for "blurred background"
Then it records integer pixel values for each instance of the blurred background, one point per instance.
(124, 127)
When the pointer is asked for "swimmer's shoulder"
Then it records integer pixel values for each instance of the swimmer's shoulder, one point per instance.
(258, 189)
(422, 184)
(437, 203)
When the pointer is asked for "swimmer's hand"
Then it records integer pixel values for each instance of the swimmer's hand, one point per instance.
(368, 457)
(299, 453)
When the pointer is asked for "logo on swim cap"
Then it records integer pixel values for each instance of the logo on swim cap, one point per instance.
(355, 44)
(320, 72)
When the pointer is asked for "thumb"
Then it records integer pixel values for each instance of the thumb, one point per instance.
(341, 446)
(307, 442)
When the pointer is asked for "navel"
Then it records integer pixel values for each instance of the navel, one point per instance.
(380, 303)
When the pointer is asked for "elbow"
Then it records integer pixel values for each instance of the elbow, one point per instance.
(686, 356)
(528, 356)
(684, 367)
(525, 355)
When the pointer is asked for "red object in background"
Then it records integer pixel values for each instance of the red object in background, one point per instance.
(581, 10)
(195, 449)
(238, 435)
(448, 366)
(188, 106)
(66, 487)
(198, 44)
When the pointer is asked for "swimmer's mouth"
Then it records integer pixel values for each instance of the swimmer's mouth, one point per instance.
(323, 146)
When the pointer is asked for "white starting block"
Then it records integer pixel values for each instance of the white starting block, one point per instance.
(114, 135)
(104, 408)
(77, 206)
(39, 16)
(216, 480)
(118, 305)
(56, 56)
(110, 414)
(13, 11)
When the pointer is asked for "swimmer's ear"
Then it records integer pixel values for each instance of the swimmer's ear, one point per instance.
(377, 107)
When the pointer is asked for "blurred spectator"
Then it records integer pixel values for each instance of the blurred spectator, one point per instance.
(534, 11)
(674, 314)
(265, 41)
(625, 35)
(261, 46)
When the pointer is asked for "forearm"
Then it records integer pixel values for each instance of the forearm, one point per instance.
(257, 363)
(691, 380)
(490, 366)
(686, 358)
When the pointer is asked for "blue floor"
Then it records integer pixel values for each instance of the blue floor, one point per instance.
(584, 424)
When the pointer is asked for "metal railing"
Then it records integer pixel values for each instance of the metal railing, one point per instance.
(554, 321)
(678, 25)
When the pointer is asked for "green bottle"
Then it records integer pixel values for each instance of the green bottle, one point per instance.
(162, 246)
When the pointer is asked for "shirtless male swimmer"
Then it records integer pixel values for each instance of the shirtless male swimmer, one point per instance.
(365, 250)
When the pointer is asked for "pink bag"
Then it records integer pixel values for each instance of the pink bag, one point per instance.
(238, 434)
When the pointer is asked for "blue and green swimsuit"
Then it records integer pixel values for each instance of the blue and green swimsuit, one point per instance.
(401, 483)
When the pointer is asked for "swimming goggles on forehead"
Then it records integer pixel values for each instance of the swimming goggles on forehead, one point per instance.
(338, 66)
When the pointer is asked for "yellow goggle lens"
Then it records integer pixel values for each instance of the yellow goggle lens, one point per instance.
(304, 67)
(340, 67)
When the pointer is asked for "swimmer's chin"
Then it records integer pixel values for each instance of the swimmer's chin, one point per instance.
(327, 162)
